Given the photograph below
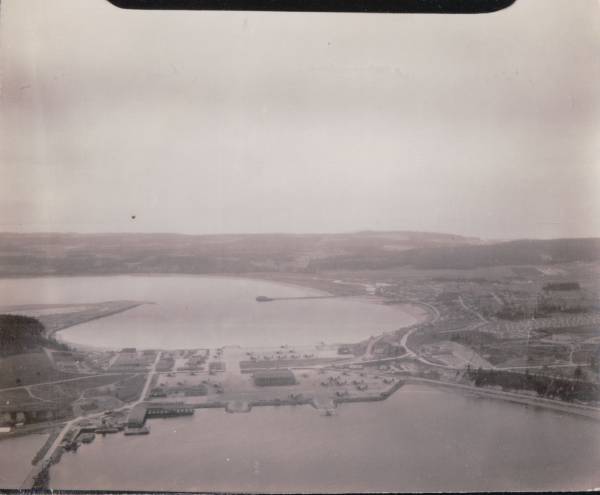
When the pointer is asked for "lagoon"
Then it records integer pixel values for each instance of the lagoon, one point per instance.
(200, 311)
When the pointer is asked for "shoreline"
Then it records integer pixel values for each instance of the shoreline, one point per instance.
(580, 410)
(416, 311)
(421, 313)
(113, 312)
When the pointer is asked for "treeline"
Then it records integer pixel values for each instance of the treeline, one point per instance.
(545, 386)
(69, 254)
(19, 334)
(522, 252)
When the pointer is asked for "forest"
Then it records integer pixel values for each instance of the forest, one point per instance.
(546, 386)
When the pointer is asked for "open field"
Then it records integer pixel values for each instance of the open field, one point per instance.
(27, 369)
(67, 392)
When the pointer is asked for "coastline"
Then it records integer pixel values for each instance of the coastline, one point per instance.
(416, 311)
(580, 410)
(420, 312)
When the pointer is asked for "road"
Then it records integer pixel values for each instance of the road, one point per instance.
(404, 339)
(372, 341)
(151, 373)
(471, 310)
(36, 397)
(540, 366)
(66, 380)
(28, 483)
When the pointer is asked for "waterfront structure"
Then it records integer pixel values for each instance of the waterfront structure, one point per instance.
(139, 413)
(276, 377)
(137, 416)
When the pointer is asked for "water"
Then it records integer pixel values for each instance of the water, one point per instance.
(195, 311)
(16, 454)
(421, 439)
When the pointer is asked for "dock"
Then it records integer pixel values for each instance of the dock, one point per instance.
(141, 412)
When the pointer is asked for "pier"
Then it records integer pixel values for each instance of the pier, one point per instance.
(138, 414)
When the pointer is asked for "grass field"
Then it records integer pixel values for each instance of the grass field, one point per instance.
(67, 392)
(19, 396)
(28, 369)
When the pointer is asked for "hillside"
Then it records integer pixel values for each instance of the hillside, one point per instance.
(79, 254)
(19, 334)
(466, 256)
(67, 254)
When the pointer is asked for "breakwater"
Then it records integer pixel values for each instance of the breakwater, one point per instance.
(295, 298)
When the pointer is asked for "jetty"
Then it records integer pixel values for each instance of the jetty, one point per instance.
(269, 299)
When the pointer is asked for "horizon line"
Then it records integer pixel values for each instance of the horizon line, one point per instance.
(297, 234)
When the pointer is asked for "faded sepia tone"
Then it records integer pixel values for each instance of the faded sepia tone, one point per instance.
(333, 252)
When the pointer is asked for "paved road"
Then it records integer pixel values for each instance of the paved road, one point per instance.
(404, 339)
(148, 381)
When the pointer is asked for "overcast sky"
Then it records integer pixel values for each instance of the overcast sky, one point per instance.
(210, 122)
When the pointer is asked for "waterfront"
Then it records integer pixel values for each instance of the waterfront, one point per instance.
(196, 311)
(420, 439)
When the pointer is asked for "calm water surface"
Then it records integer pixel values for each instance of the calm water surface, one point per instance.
(15, 458)
(194, 311)
(421, 439)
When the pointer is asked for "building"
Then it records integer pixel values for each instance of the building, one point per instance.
(187, 390)
(158, 392)
(277, 377)
(388, 349)
(215, 366)
(32, 413)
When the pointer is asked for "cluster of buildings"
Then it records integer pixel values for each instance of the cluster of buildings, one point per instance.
(19, 415)
(187, 390)
(274, 377)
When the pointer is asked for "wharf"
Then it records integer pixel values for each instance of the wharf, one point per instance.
(139, 413)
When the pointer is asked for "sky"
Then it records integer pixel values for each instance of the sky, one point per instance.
(245, 122)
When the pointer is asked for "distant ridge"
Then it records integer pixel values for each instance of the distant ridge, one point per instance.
(74, 254)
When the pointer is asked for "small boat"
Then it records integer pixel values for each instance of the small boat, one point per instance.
(263, 299)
